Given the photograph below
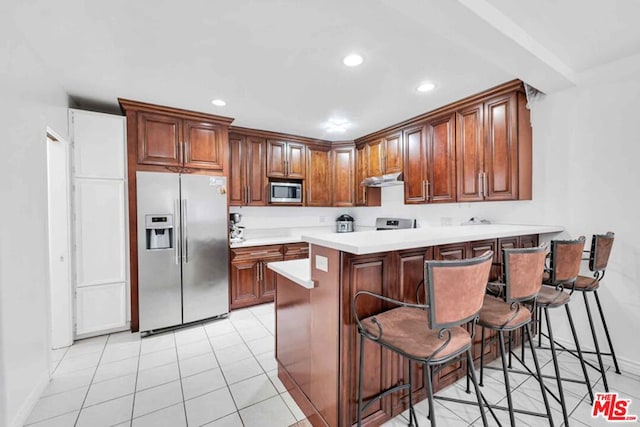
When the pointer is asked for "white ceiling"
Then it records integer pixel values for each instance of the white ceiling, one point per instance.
(278, 63)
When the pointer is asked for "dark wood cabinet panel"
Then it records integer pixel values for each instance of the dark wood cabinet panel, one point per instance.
(374, 154)
(276, 158)
(295, 160)
(479, 247)
(500, 152)
(415, 165)
(247, 172)
(159, 140)
(470, 153)
(452, 251)
(342, 177)
(244, 281)
(251, 281)
(203, 145)
(364, 196)
(237, 171)
(530, 241)
(285, 159)
(318, 183)
(256, 176)
(393, 153)
(441, 168)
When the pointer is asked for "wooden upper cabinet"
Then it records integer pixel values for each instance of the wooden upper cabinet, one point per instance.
(256, 175)
(237, 171)
(487, 150)
(375, 162)
(177, 140)
(285, 159)
(441, 166)
(203, 145)
(247, 173)
(500, 150)
(393, 153)
(159, 139)
(361, 173)
(318, 183)
(342, 176)
(415, 165)
(296, 160)
(470, 153)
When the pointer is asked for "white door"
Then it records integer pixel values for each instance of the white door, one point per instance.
(60, 285)
(100, 231)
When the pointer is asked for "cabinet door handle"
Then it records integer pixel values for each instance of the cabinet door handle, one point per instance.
(257, 271)
(364, 195)
(261, 270)
(485, 188)
(426, 189)
(248, 195)
(480, 183)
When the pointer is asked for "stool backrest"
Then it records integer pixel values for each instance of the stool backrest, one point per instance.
(566, 256)
(455, 289)
(523, 269)
(600, 250)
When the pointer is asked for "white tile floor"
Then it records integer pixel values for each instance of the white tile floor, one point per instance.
(223, 373)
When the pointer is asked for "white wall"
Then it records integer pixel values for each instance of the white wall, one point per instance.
(29, 102)
(585, 178)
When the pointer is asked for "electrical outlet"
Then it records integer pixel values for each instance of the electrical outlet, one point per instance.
(322, 263)
(323, 219)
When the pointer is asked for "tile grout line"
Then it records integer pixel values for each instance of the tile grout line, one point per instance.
(261, 367)
(184, 405)
(135, 386)
(223, 374)
(91, 382)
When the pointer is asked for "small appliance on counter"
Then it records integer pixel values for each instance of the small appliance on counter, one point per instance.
(395, 223)
(344, 224)
(236, 232)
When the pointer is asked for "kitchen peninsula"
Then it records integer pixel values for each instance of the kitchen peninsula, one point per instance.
(315, 332)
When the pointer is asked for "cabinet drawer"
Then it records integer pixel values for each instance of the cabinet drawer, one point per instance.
(255, 252)
(296, 248)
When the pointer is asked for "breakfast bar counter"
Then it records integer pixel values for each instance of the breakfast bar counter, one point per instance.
(315, 332)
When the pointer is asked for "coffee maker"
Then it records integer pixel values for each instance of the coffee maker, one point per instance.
(236, 232)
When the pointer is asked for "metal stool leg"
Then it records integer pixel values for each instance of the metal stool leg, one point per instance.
(595, 343)
(412, 414)
(471, 372)
(432, 417)
(582, 364)
(606, 331)
(539, 326)
(482, 357)
(512, 418)
(539, 375)
(554, 357)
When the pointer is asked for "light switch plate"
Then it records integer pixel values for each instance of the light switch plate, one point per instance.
(322, 263)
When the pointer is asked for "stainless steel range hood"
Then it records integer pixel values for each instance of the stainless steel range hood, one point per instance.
(383, 180)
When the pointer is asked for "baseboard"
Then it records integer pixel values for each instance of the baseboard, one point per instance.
(30, 402)
(626, 365)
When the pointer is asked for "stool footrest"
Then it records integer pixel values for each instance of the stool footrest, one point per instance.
(383, 394)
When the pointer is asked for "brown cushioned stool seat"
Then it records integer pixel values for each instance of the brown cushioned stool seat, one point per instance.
(552, 298)
(496, 313)
(407, 330)
(585, 283)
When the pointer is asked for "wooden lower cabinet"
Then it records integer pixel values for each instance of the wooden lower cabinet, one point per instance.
(251, 281)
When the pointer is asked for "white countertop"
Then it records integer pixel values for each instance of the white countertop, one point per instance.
(368, 242)
(297, 270)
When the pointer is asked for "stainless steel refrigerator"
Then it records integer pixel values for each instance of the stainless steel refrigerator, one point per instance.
(182, 249)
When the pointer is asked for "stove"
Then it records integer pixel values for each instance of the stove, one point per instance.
(394, 223)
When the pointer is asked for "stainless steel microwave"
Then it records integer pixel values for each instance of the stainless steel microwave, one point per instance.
(285, 192)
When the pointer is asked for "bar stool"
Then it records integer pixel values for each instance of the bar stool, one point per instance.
(564, 266)
(522, 273)
(598, 259)
(432, 334)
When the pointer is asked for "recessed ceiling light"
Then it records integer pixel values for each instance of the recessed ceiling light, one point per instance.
(353, 60)
(218, 103)
(426, 87)
(337, 125)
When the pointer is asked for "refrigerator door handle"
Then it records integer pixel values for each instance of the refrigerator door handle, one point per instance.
(176, 235)
(185, 233)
